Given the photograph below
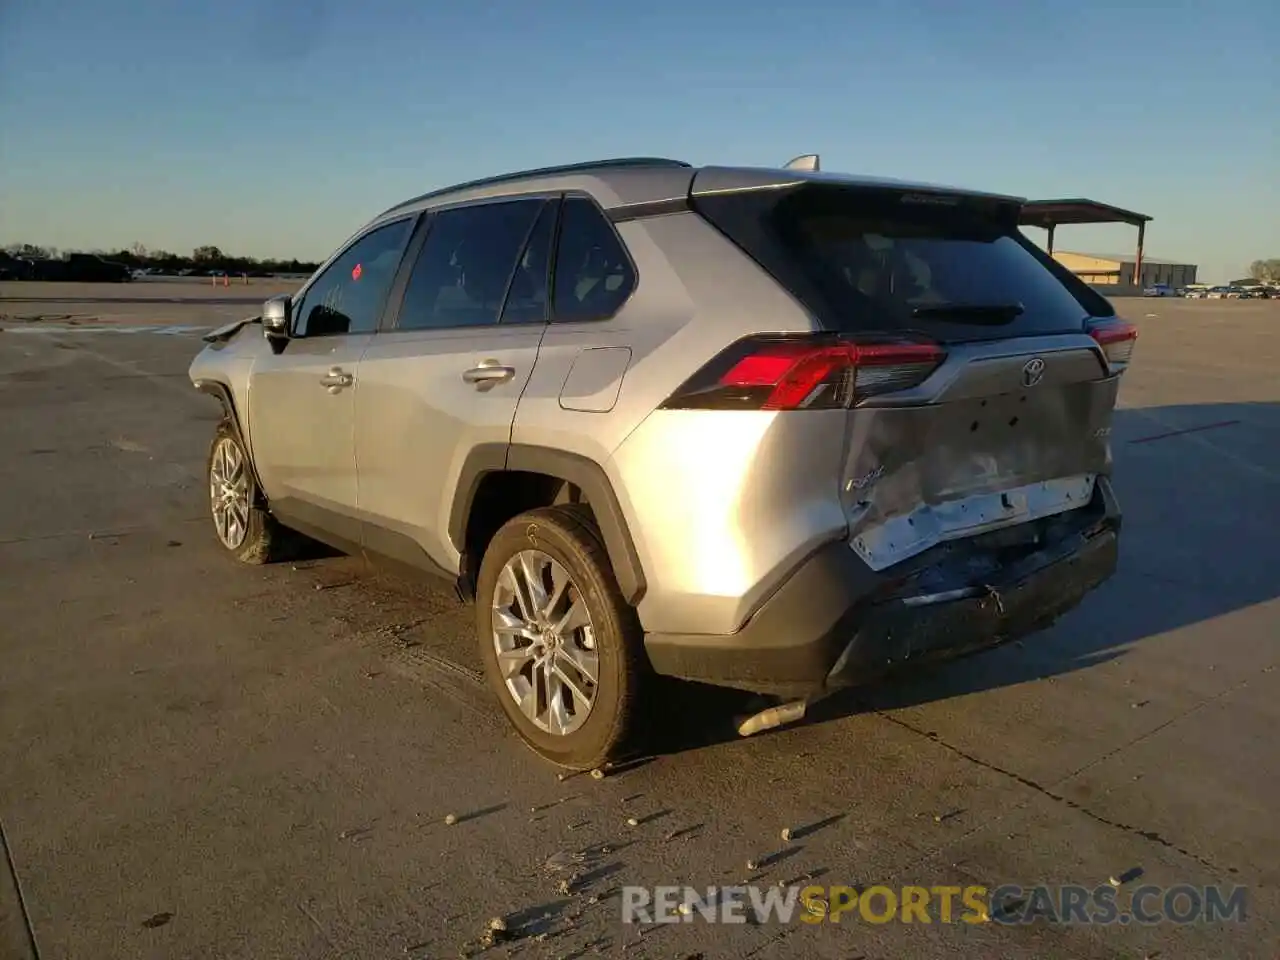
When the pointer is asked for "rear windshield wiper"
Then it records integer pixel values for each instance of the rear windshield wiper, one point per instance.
(970, 312)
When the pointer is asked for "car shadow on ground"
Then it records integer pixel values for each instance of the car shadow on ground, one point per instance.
(1197, 485)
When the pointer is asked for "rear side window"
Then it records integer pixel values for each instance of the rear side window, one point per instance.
(593, 274)
(466, 262)
(879, 260)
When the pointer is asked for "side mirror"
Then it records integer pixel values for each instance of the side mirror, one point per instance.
(275, 317)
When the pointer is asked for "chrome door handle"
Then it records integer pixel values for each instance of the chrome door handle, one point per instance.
(488, 373)
(336, 379)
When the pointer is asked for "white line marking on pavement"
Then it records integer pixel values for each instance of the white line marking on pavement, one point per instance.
(170, 331)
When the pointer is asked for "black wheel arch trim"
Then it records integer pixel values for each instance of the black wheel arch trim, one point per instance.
(585, 474)
(222, 392)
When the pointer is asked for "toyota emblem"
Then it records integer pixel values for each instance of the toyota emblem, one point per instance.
(1032, 372)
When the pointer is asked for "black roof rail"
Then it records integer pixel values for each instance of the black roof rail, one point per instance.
(616, 163)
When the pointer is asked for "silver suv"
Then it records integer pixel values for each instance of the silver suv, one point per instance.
(771, 429)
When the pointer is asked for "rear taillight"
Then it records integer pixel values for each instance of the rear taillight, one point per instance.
(1116, 338)
(806, 372)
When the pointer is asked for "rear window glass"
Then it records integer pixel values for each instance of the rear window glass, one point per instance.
(880, 260)
(593, 275)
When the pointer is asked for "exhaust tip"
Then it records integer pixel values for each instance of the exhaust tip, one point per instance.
(772, 717)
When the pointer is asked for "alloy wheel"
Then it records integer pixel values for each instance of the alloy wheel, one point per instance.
(545, 642)
(229, 493)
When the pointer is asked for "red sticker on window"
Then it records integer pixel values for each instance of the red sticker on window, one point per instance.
(356, 271)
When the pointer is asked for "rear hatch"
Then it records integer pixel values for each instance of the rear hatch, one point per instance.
(980, 376)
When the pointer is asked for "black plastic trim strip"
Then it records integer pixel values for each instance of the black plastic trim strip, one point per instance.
(408, 260)
(647, 209)
(586, 475)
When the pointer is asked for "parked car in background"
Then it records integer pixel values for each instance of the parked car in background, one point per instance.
(1257, 291)
(1219, 293)
(1158, 290)
(49, 269)
(768, 429)
(90, 268)
(15, 268)
(1196, 291)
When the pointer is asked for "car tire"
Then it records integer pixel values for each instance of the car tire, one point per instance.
(256, 538)
(601, 632)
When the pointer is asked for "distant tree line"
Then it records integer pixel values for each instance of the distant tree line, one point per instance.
(203, 260)
(1266, 270)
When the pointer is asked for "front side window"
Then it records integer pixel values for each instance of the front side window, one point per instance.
(462, 273)
(349, 295)
(593, 274)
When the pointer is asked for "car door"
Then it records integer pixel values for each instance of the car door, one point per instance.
(302, 398)
(445, 377)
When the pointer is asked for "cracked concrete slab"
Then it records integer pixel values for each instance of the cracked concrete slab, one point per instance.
(16, 942)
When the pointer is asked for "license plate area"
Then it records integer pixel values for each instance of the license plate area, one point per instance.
(904, 536)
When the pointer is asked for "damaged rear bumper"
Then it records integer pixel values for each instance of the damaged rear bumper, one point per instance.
(897, 632)
(831, 624)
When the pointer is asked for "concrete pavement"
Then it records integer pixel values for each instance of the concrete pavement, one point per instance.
(205, 760)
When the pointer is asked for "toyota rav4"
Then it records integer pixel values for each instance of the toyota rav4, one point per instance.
(771, 429)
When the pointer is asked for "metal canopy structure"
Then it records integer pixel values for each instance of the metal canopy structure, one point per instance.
(1050, 214)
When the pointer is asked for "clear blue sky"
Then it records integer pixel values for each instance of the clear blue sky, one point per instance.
(274, 127)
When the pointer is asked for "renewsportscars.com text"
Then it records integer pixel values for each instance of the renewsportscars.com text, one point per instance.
(1008, 904)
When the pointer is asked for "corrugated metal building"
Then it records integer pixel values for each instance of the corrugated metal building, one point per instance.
(1115, 270)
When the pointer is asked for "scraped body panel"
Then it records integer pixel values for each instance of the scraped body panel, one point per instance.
(1000, 435)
